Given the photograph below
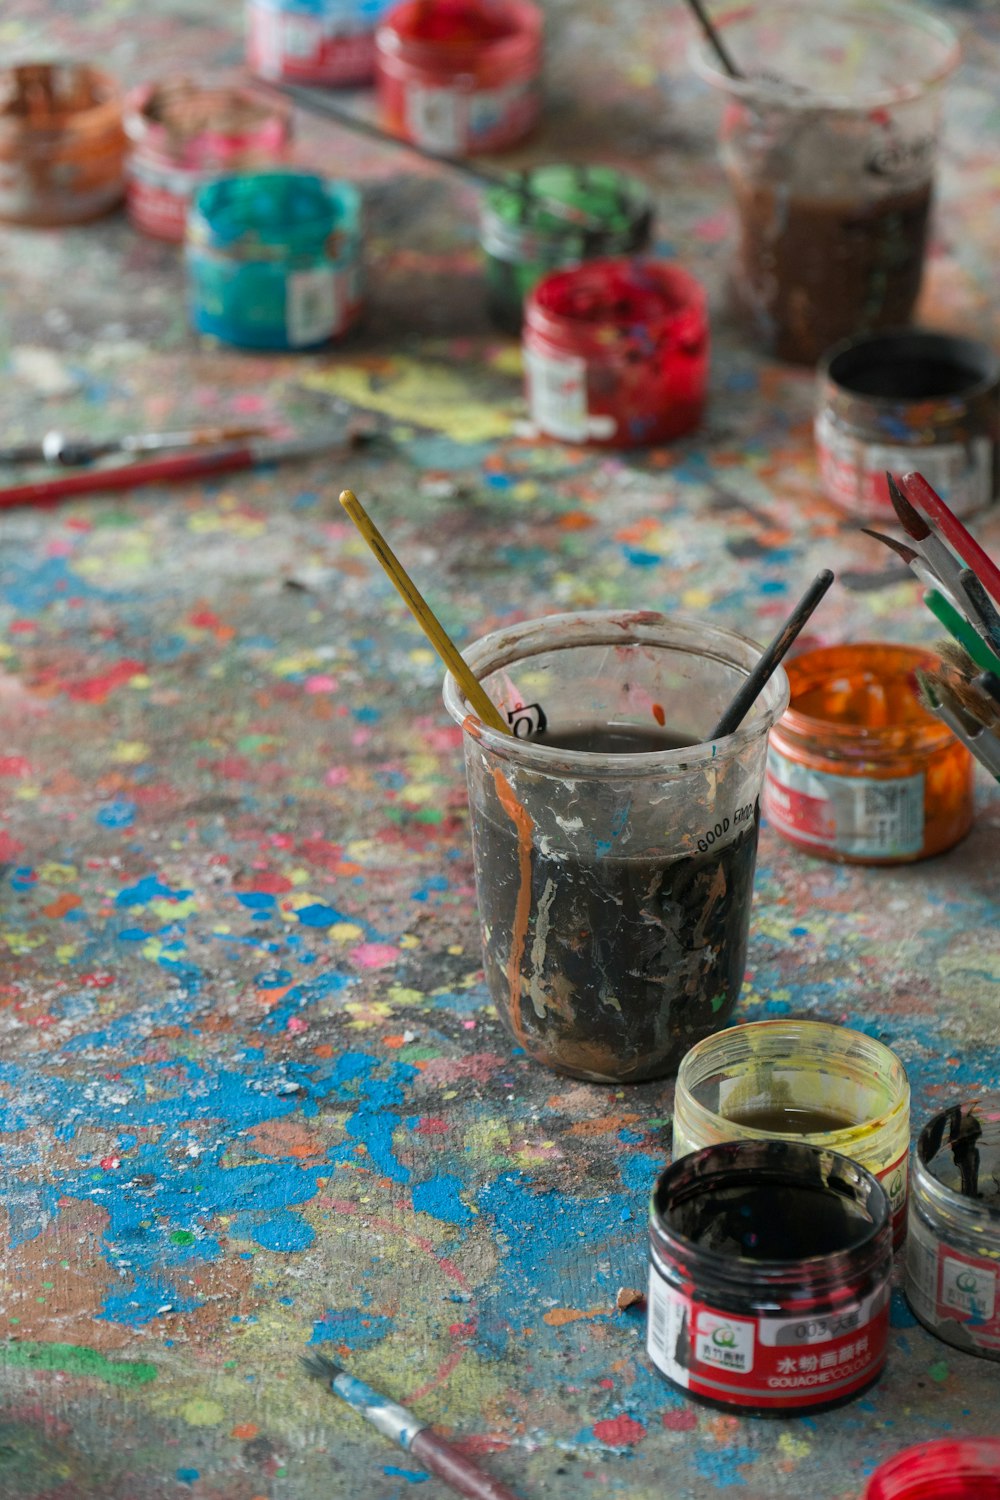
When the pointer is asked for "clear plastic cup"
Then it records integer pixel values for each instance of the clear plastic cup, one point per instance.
(829, 141)
(614, 886)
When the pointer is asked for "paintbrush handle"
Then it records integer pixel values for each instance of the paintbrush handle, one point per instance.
(920, 493)
(454, 1469)
(958, 626)
(128, 476)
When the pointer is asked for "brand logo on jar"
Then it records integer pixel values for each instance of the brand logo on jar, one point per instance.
(895, 1185)
(968, 1289)
(726, 1343)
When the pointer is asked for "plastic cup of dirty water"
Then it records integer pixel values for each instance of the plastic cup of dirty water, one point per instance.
(614, 848)
(829, 142)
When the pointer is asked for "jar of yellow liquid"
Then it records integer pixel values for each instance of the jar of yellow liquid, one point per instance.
(801, 1080)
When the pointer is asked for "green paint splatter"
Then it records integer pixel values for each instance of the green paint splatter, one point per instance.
(182, 1237)
(74, 1359)
(938, 1371)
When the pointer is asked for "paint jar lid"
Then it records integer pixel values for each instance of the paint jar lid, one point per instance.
(609, 213)
(455, 34)
(276, 216)
(946, 1469)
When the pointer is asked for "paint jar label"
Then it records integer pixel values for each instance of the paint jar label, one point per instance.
(860, 815)
(947, 1286)
(894, 1179)
(557, 394)
(777, 1362)
(451, 120)
(313, 306)
(435, 118)
(333, 47)
(853, 470)
(158, 196)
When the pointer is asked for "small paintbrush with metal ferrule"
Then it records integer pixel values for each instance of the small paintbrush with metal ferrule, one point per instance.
(405, 1428)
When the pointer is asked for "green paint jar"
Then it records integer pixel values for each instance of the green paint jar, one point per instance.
(552, 217)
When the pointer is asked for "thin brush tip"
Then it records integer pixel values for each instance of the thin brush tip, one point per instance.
(910, 519)
(319, 1366)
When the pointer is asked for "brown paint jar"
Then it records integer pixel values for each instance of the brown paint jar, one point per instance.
(62, 143)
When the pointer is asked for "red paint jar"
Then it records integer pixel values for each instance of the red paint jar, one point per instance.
(458, 76)
(770, 1264)
(948, 1469)
(183, 132)
(616, 353)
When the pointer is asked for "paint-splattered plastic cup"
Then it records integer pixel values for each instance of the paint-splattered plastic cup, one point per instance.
(829, 142)
(945, 1469)
(614, 884)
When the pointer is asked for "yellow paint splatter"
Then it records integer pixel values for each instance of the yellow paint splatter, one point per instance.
(203, 1413)
(507, 361)
(414, 391)
(130, 752)
(793, 1447)
(173, 911)
(346, 932)
(696, 598)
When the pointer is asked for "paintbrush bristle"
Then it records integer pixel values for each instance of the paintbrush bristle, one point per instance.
(911, 520)
(956, 656)
(320, 1367)
(965, 697)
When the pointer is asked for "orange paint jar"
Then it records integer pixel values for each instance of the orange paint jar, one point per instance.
(62, 143)
(858, 771)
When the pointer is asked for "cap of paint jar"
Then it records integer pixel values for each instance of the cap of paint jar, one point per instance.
(460, 76)
(329, 42)
(616, 353)
(953, 1244)
(945, 1469)
(769, 1276)
(62, 143)
(827, 1085)
(183, 132)
(274, 259)
(608, 213)
(908, 399)
(858, 771)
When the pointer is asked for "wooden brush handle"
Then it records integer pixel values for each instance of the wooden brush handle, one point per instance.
(448, 1465)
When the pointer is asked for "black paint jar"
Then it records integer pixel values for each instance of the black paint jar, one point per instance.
(769, 1276)
(908, 400)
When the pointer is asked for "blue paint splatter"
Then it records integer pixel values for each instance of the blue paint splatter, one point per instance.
(439, 1197)
(358, 1329)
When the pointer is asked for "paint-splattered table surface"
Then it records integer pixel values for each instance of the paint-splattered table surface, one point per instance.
(252, 1094)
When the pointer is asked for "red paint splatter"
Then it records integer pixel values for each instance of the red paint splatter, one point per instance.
(606, 1384)
(10, 847)
(96, 689)
(680, 1421)
(204, 619)
(110, 1163)
(14, 765)
(267, 885)
(659, 715)
(98, 981)
(619, 1432)
(432, 1125)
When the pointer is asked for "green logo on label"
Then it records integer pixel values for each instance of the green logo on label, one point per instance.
(966, 1281)
(724, 1337)
(895, 1184)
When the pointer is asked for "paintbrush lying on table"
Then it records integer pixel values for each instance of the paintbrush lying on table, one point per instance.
(405, 1428)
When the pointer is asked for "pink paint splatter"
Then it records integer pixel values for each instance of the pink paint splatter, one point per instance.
(680, 1421)
(337, 775)
(374, 955)
(110, 1163)
(432, 1125)
(10, 847)
(619, 1432)
(321, 684)
(296, 1023)
(714, 227)
(478, 1065)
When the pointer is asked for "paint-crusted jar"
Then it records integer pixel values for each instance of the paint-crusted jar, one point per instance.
(327, 42)
(274, 259)
(944, 1469)
(616, 353)
(830, 1086)
(554, 216)
(183, 132)
(460, 76)
(858, 771)
(62, 143)
(953, 1245)
(905, 400)
(769, 1276)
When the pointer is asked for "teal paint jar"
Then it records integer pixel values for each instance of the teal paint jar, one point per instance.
(552, 217)
(274, 259)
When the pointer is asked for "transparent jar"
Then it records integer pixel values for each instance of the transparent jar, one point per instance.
(946, 1469)
(62, 143)
(614, 885)
(953, 1245)
(858, 771)
(616, 353)
(826, 1085)
(769, 1276)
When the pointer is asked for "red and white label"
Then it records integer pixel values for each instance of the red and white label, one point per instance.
(853, 471)
(157, 197)
(310, 48)
(776, 1362)
(453, 120)
(946, 1285)
(869, 817)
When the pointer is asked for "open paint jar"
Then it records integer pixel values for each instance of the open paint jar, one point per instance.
(614, 849)
(908, 400)
(805, 1080)
(183, 132)
(460, 76)
(274, 259)
(953, 1246)
(616, 353)
(556, 216)
(858, 770)
(62, 143)
(329, 42)
(769, 1276)
(946, 1469)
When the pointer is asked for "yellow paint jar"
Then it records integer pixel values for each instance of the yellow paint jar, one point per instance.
(802, 1080)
